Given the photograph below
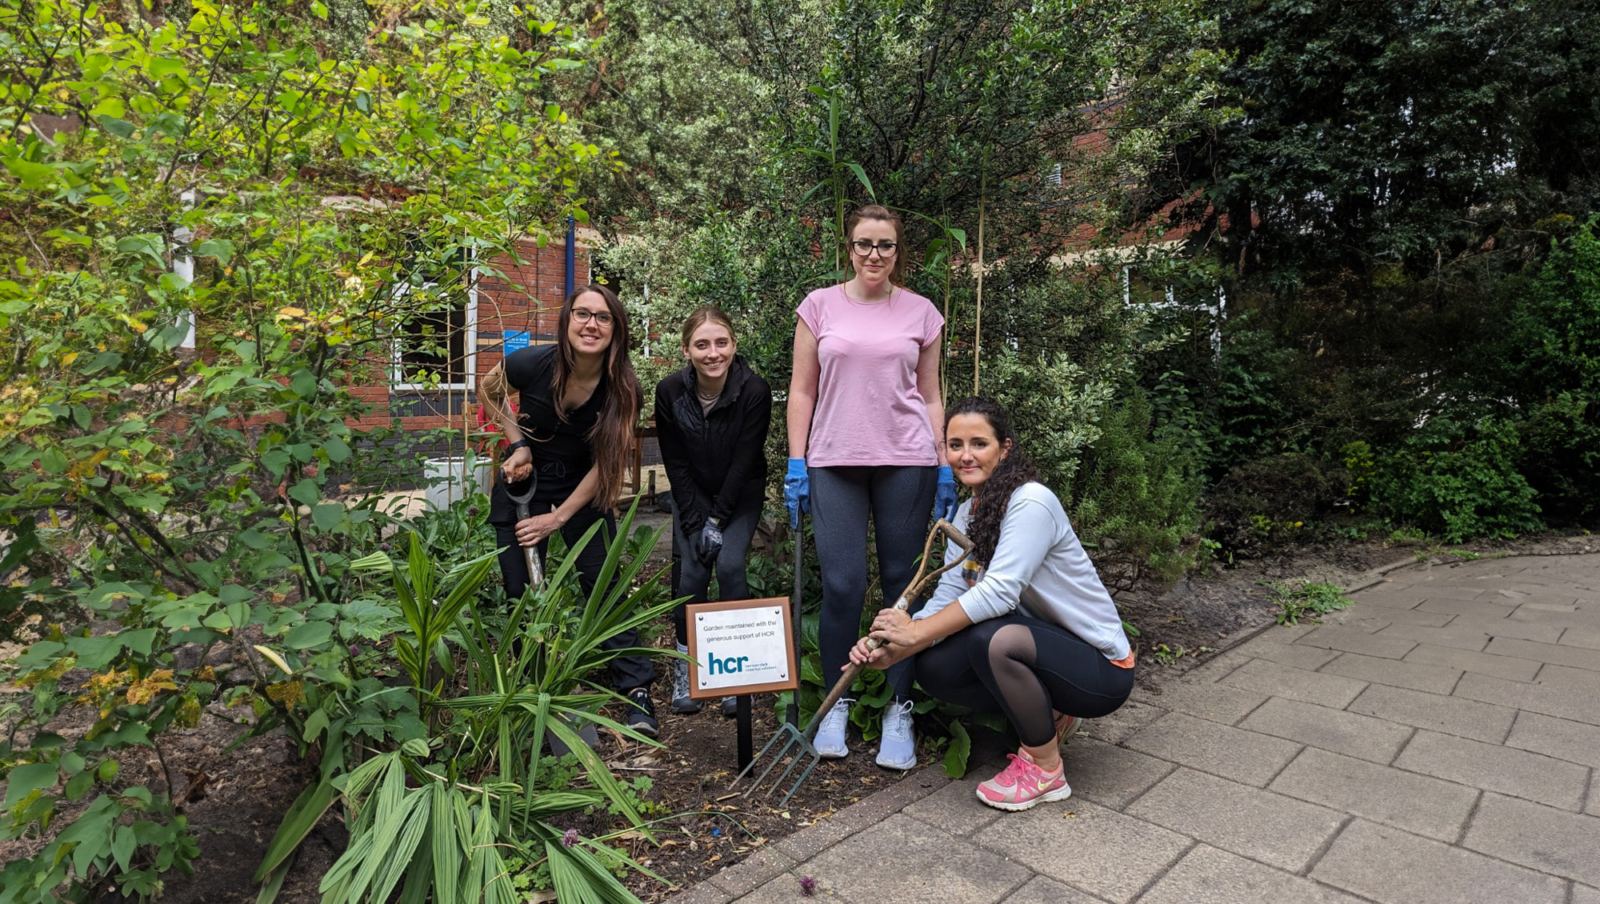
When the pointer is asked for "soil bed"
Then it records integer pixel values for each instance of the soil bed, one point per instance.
(705, 826)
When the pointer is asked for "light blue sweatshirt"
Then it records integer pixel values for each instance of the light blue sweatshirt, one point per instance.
(1038, 549)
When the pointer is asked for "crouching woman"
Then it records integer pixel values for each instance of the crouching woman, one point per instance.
(1024, 626)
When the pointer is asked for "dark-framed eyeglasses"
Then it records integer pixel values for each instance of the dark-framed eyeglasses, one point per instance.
(584, 315)
(865, 248)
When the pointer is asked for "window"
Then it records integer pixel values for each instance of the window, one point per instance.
(436, 346)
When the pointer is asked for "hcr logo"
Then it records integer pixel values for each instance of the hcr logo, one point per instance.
(727, 665)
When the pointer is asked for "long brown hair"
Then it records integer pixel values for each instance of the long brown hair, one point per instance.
(611, 438)
(991, 501)
(897, 273)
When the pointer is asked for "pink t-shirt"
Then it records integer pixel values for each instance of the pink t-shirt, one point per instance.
(869, 411)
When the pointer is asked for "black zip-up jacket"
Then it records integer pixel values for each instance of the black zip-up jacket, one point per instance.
(717, 459)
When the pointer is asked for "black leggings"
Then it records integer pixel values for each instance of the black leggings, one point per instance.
(1025, 668)
(627, 672)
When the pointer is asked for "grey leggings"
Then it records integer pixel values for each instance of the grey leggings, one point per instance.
(900, 500)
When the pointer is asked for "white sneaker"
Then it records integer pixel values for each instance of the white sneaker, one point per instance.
(898, 747)
(830, 735)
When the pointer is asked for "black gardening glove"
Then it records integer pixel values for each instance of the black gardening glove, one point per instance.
(709, 543)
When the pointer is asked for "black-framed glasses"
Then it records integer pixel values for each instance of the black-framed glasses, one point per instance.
(584, 315)
(865, 248)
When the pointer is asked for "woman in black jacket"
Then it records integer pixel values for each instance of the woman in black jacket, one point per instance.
(711, 419)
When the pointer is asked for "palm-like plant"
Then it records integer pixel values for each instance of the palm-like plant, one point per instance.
(440, 818)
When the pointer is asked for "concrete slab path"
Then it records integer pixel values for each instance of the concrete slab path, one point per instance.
(1436, 743)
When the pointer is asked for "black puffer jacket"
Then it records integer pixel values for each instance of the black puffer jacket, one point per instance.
(717, 459)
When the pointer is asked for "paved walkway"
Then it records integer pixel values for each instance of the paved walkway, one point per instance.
(1437, 742)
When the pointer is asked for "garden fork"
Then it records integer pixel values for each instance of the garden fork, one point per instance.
(521, 501)
(791, 745)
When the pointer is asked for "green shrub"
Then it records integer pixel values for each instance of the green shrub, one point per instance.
(1268, 502)
(1136, 498)
(1458, 482)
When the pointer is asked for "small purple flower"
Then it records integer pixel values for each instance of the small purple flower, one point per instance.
(808, 886)
(570, 838)
(355, 650)
(383, 547)
(472, 511)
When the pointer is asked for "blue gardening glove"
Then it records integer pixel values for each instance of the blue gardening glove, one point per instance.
(709, 543)
(944, 495)
(796, 490)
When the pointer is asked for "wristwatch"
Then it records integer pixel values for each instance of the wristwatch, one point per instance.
(519, 444)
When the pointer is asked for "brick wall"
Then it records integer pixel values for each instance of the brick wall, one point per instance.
(526, 298)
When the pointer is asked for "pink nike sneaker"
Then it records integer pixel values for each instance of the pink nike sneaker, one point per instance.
(1023, 784)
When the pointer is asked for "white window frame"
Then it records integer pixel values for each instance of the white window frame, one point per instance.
(397, 372)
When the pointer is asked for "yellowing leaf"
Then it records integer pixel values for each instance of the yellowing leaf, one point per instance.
(274, 658)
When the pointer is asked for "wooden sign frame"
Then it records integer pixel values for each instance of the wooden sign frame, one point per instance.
(778, 602)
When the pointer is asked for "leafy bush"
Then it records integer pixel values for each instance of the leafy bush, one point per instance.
(1266, 503)
(1135, 499)
(1458, 482)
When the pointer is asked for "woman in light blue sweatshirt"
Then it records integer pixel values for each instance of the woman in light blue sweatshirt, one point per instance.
(1024, 626)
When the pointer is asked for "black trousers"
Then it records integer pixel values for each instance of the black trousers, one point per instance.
(627, 672)
(1024, 667)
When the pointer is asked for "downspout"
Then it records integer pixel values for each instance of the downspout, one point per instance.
(572, 255)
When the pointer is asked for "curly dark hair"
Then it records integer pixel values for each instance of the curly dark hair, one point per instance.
(990, 502)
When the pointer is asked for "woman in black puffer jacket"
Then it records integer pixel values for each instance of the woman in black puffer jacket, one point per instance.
(711, 419)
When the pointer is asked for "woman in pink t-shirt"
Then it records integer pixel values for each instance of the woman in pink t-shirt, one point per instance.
(866, 437)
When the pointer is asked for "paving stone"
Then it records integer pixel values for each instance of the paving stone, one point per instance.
(1446, 592)
(1353, 641)
(1576, 657)
(1389, 598)
(1128, 720)
(1407, 616)
(1217, 702)
(1108, 775)
(1583, 894)
(1435, 679)
(1285, 653)
(1209, 876)
(1593, 806)
(1459, 638)
(1416, 803)
(1466, 607)
(1531, 776)
(1537, 836)
(1330, 729)
(1095, 849)
(1263, 826)
(755, 870)
(1582, 681)
(1217, 666)
(1550, 700)
(955, 807)
(1505, 667)
(1243, 756)
(1296, 684)
(1558, 617)
(1563, 739)
(1041, 890)
(701, 893)
(1466, 718)
(927, 865)
(1583, 636)
(1393, 867)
